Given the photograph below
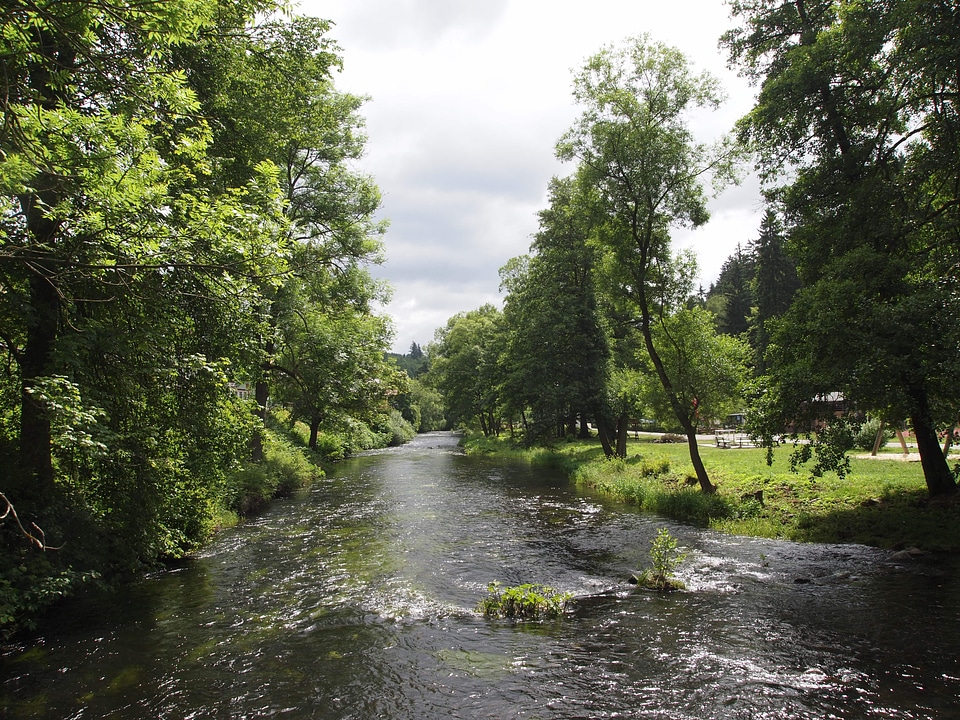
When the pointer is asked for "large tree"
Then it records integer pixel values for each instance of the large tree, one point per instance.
(104, 202)
(556, 350)
(465, 367)
(634, 145)
(858, 134)
(313, 133)
(774, 284)
(733, 289)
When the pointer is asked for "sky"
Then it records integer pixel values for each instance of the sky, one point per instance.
(467, 99)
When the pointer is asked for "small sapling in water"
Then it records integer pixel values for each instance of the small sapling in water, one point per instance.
(664, 558)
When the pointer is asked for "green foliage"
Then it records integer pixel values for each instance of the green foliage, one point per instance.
(524, 602)
(177, 203)
(464, 368)
(555, 361)
(429, 402)
(649, 483)
(29, 586)
(398, 429)
(734, 286)
(284, 469)
(828, 448)
(866, 435)
(637, 153)
(665, 558)
(871, 218)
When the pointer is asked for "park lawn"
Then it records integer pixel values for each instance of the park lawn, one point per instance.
(881, 502)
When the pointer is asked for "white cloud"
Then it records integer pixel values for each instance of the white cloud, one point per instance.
(467, 102)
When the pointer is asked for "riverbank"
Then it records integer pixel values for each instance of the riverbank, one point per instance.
(882, 501)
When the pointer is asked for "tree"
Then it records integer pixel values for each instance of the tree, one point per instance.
(635, 147)
(775, 282)
(709, 369)
(556, 350)
(102, 199)
(464, 367)
(312, 133)
(331, 362)
(734, 288)
(857, 120)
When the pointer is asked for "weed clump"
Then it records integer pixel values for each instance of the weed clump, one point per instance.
(530, 601)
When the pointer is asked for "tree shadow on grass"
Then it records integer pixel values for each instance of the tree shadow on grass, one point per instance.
(896, 521)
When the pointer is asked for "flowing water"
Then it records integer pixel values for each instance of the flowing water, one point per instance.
(356, 600)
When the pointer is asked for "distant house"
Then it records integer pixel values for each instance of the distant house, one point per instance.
(241, 390)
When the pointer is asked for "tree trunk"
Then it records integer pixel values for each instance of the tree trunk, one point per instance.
(42, 330)
(695, 458)
(314, 431)
(584, 427)
(948, 440)
(260, 393)
(936, 471)
(622, 423)
(878, 440)
(603, 432)
(682, 415)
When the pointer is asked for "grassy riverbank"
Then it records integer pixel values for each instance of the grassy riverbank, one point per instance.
(881, 502)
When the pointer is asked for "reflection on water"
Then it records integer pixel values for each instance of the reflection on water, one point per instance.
(356, 600)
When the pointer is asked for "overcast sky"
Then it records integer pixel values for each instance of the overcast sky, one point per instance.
(467, 100)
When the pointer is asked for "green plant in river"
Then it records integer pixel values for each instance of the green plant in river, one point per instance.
(528, 601)
(664, 558)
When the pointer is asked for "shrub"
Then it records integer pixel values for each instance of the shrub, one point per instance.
(399, 430)
(866, 435)
(284, 469)
(664, 558)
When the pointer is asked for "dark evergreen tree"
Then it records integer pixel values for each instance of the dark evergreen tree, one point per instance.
(734, 290)
(557, 351)
(775, 282)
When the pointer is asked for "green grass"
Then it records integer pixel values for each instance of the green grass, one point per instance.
(881, 502)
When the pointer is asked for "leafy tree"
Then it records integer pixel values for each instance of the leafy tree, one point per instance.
(857, 121)
(172, 172)
(708, 368)
(635, 147)
(103, 205)
(312, 133)
(556, 350)
(464, 367)
(330, 362)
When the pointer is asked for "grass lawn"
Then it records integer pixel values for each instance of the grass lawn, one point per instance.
(881, 502)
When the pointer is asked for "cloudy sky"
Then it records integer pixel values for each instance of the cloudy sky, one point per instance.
(467, 99)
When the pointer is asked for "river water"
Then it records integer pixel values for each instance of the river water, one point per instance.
(356, 600)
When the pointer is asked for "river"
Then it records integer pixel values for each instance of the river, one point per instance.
(356, 599)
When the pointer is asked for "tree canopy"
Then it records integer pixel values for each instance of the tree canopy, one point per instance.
(856, 129)
(634, 145)
(173, 174)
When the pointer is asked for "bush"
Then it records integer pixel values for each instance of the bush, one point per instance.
(284, 469)
(399, 430)
(529, 601)
(866, 435)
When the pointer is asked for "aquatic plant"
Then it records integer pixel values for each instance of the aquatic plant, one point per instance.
(528, 601)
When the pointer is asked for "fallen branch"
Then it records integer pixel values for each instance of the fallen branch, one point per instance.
(40, 542)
